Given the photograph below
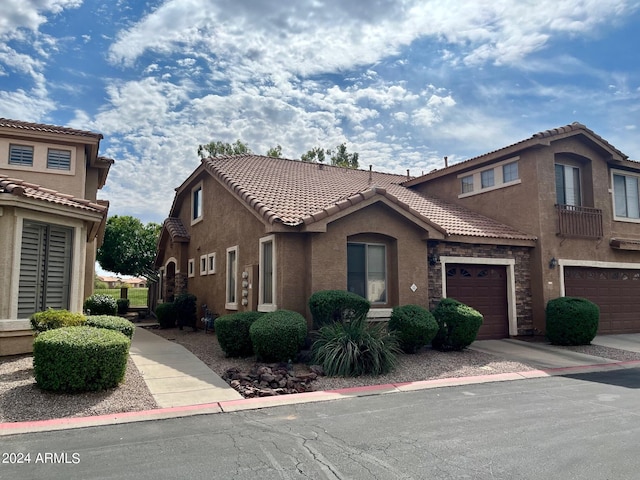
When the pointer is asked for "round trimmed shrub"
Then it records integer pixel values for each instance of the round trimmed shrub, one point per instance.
(166, 315)
(571, 321)
(185, 307)
(75, 359)
(123, 305)
(458, 325)
(50, 319)
(110, 322)
(278, 336)
(328, 306)
(414, 327)
(100, 304)
(233, 333)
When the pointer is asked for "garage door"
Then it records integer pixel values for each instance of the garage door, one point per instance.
(615, 291)
(483, 287)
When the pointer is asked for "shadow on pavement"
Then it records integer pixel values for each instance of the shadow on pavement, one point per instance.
(627, 378)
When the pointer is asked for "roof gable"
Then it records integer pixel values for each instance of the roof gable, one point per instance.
(539, 139)
(298, 194)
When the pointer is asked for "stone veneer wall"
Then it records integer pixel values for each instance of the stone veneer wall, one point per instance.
(522, 269)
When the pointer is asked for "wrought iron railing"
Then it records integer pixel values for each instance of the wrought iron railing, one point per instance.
(576, 221)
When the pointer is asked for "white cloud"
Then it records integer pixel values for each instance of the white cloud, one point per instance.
(30, 14)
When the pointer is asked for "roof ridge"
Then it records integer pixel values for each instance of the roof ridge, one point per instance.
(22, 125)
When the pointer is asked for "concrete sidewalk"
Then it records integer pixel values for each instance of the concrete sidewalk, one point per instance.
(174, 375)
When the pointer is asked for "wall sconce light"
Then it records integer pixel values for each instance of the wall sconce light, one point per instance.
(433, 259)
(553, 263)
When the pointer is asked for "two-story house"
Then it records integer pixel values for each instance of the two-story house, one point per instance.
(51, 222)
(578, 195)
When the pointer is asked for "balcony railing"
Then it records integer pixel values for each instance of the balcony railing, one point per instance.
(576, 221)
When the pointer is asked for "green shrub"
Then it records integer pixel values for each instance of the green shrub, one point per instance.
(414, 327)
(233, 333)
(166, 315)
(109, 322)
(50, 319)
(278, 336)
(123, 305)
(353, 348)
(328, 306)
(571, 321)
(458, 325)
(73, 359)
(100, 304)
(185, 306)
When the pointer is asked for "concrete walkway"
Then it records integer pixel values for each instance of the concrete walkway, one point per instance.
(174, 375)
(629, 341)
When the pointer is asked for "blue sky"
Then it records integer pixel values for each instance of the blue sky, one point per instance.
(404, 83)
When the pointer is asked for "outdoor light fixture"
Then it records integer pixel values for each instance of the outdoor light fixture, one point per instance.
(433, 259)
(553, 263)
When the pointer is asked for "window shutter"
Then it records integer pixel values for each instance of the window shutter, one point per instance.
(58, 268)
(32, 256)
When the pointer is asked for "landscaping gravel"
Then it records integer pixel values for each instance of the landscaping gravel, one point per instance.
(22, 400)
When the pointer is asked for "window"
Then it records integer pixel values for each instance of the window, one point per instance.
(568, 185)
(510, 172)
(59, 159)
(467, 184)
(192, 267)
(626, 196)
(211, 263)
(203, 265)
(366, 271)
(21, 155)
(45, 268)
(232, 278)
(487, 178)
(267, 282)
(196, 204)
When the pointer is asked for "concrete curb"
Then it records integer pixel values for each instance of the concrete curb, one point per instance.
(16, 428)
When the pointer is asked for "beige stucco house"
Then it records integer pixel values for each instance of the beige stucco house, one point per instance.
(259, 233)
(51, 222)
(555, 214)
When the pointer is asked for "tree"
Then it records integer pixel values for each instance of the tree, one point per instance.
(316, 154)
(339, 156)
(129, 246)
(343, 159)
(216, 149)
(275, 152)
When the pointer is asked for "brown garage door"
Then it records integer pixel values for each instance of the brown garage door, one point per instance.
(615, 291)
(483, 287)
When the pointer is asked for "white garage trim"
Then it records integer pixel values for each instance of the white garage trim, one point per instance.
(587, 263)
(511, 282)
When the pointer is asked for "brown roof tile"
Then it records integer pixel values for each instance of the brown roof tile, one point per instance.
(295, 193)
(41, 127)
(20, 188)
(176, 229)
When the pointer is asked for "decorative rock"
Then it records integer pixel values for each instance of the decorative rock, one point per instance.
(269, 380)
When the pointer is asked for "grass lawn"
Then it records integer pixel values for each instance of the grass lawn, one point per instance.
(137, 296)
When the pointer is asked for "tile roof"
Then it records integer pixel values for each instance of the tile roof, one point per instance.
(41, 127)
(176, 229)
(20, 188)
(297, 193)
(535, 139)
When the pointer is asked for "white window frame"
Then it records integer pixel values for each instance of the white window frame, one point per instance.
(195, 219)
(211, 264)
(231, 294)
(569, 168)
(22, 147)
(386, 269)
(191, 272)
(465, 183)
(484, 180)
(203, 265)
(625, 174)
(498, 178)
(262, 306)
(56, 165)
